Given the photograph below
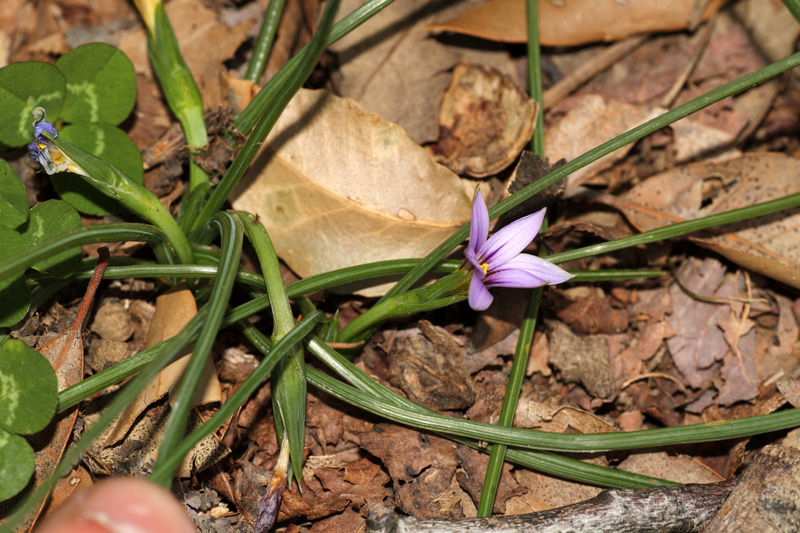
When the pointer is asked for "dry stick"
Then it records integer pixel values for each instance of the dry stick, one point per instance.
(702, 38)
(590, 69)
(675, 509)
(767, 497)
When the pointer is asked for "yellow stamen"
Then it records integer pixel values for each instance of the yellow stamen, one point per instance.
(485, 267)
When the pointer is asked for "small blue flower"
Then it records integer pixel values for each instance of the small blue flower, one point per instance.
(498, 261)
(42, 149)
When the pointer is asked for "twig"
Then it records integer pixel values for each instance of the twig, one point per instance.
(577, 77)
(766, 497)
(676, 509)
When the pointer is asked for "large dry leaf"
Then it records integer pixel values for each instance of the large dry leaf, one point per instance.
(575, 22)
(174, 309)
(392, 66)
(767, 245)
(338, 186)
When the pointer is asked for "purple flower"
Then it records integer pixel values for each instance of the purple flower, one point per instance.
(42, 149)
(498, 261)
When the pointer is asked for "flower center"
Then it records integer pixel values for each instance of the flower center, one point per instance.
(485, 267)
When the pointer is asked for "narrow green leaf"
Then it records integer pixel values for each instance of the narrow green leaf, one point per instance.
(28, 388)
(289, 379)
(101, 84)
(24, 86)
(17, 462)
(13, 198)
(47, 221)
(232, 235)
(14, 258)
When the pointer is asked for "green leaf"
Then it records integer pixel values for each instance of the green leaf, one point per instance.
(101, 84)
(16, 300)
(47, 220)
(12, 245)
(13, 198)
(28, 388)
(17, 462)
(108, 143)
(24, 86)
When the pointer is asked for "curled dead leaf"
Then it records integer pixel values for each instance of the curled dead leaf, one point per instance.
(485, 120)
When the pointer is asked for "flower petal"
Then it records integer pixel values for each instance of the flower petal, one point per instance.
(42, 127)
(527, 271)
(469, 253)
(479, 226)
(479, 296)
(511, 240)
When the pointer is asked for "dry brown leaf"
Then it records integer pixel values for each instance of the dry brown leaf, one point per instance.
(574, 22)
(393, 67)
(767, 245)
(698, 343)
(422, 468)
(338, 186)
(587, 309)
(485, 120)
(680, 468)
(591, 122)
(582, 359)
(174, 309)
(533, 414)
(428, 364)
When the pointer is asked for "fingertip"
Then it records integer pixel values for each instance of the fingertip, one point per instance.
(120, 505)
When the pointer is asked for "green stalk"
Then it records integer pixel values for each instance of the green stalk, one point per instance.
(268, 119)
(494, 467)
(179, 87)
(266, 36)
(681, 228)
(231, 233)
(289, 379)
(445, 291)
(115, 184)
(535, 75)
(543, 440)
(684, 110)
(542, 461)
(87, 235)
